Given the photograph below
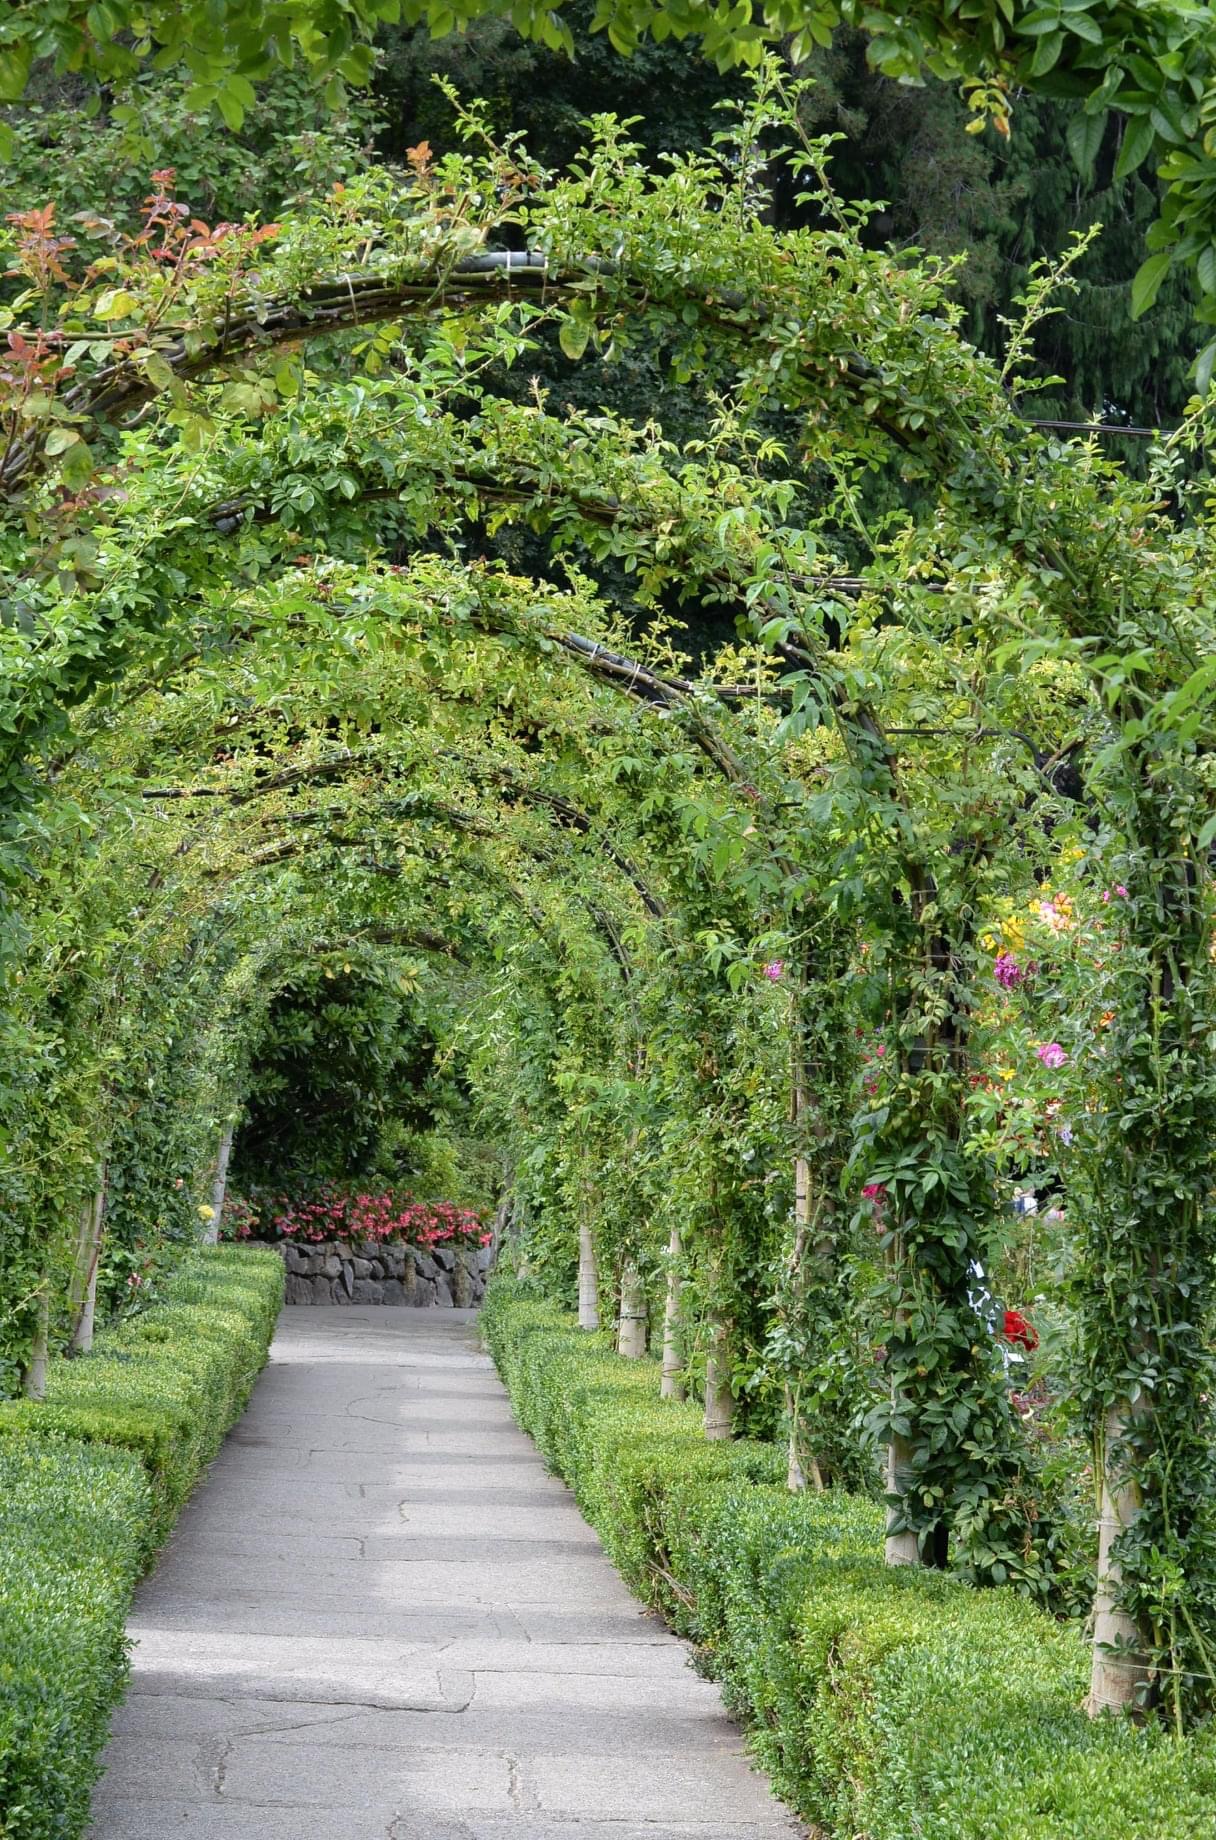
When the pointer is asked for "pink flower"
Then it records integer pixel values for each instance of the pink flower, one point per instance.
(875, 1191)
(1051, 1054)
(775, 971)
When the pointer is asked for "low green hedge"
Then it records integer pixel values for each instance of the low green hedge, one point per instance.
(169, 1383)
(90, 1482)
(894, 1704)
(73, 1525)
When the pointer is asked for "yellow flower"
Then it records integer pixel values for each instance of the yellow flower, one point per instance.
(1006, 1073)
(204, 1212)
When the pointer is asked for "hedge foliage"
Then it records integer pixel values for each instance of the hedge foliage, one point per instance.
(90, 1482)
(898, 1704)
(169, 1383)
(73, 1522)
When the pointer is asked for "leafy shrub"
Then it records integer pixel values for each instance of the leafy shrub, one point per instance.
(90, 1480)
(73, 1523)
(167, 1384)
(898, 1704)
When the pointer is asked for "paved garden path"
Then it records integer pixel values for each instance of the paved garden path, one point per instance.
(380, 1619)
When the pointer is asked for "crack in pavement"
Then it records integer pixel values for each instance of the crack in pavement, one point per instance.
(287, 1699)
(211, 1765)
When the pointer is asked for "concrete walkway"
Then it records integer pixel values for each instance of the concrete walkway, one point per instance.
(380, 1619)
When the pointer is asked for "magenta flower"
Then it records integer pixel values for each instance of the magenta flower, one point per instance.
(875, 1191)
(1007, 972)
(1051, 1054)
(775, 971)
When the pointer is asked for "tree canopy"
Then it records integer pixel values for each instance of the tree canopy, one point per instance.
(1153, 67)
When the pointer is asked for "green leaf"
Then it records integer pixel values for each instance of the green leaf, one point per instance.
(103, 22)
(15, 61)
(159, 372)
(1204, 365)
(1166, 126)
(230, 108)
(1039, 24)
(1047, 55)
(1147, 283)
(1085, 134)
(59, 440)
(1082, 26)
(1205, 269)
(573, 336)
(77, 467)
(1137, 144)
(115, 303)
(241, 88)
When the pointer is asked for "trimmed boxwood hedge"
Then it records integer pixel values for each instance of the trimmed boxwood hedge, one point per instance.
(73, 1522)
(90, 1482)
(169, 1383)
(898, 1704)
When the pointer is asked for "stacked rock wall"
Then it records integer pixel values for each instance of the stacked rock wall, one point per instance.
(377, 1273)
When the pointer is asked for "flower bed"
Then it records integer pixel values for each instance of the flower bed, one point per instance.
(330, 1215)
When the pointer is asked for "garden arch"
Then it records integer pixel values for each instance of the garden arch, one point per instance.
(1034, 535)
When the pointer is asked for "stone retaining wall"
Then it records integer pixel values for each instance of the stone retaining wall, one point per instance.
(376, 1273)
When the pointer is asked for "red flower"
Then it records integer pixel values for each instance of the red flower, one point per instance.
(1019, 1332)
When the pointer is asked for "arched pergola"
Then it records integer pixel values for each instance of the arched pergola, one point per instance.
(274, 537)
